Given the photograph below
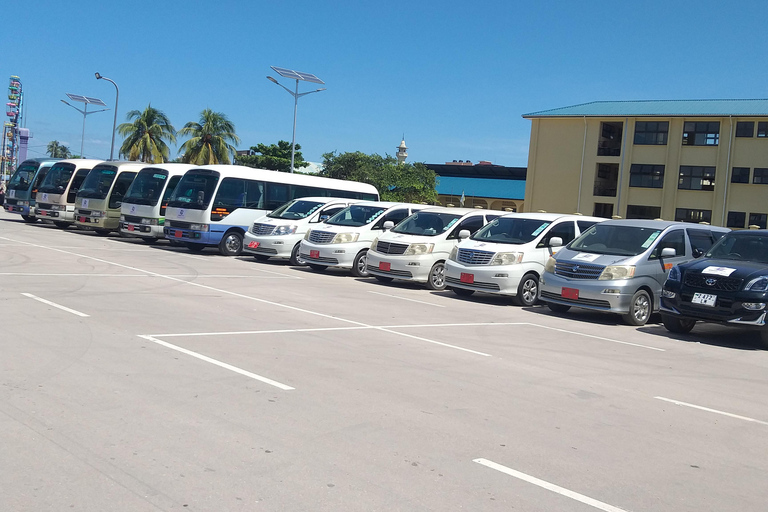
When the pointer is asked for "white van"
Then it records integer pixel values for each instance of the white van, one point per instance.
(56, 195)
(278, 234)
(416, 249)
(344, 239)
(507, 255)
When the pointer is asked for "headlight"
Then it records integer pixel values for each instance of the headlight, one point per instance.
(122, 218)
(416, 249)
(284, 230)
(507, 258)
(759, 284)
(57, 207)
(549, 266)
(613, 272)
(374, 243)
(198, 227)
(454, 253)
(674, 274)
(152, 222)
(96, 213)
(306, 235)
(23, 203)
(345, 238)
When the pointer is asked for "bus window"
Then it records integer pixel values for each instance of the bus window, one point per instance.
(120, 188)
(167, 194)
(277, 194)
(77, 181)
(236, 193)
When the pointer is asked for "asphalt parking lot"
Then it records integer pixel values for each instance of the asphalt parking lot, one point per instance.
(145, 377)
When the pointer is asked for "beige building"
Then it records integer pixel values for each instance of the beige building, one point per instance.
(690, 160)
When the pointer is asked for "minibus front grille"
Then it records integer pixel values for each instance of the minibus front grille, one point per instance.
(710, 282)
(178, 224)
(391, 248)
(132, 219)
(84, 213)
(262, 229)
(9, 201)
(576, 270)
(321, 237)
(473, 257)
(44, 206)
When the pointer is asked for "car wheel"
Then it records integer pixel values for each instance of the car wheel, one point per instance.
(462, 292)
(194, 247)
(231, 244)
(102, 232)
(558, 308)
(60, 224)
(383, 279)
(359, 264)
(317, 267)
(261, 257)
(640, 309)
(295, 258)
(29, 218)
(527, 291)
(677, 325)
(764, 338)
(436, 279)
(149, 240)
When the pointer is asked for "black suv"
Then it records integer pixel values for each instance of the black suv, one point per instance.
(729, 285)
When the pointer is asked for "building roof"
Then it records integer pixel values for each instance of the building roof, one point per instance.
(481, 187)
(483, 170)
(660, 108)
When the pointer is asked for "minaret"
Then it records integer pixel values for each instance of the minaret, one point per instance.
(402, 152)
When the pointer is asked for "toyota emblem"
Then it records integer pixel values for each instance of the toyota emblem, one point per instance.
(710, 281)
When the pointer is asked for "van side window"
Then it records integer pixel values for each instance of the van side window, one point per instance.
(329, 212)
(77, 181)
(584, 225)
(471, 224)
(701, 240)
(168, 191)
(120, 188)
(564, 230)
(674, 239)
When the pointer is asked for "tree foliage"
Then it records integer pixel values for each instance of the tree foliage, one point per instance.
(412, 183)
(276, 157)
(209, 139)
(57, 150)
(145, 135)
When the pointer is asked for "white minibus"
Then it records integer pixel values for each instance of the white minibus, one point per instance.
(216, 204)
(57, 192)
(142, 213)
(97, 204)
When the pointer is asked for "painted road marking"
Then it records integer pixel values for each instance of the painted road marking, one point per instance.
(63, 308)
(221, 364)
(549, 486)
(730, 415)
(404, 298)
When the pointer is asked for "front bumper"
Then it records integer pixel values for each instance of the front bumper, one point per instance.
(727, 309)
(274, 246)
(412, 268)
(192, 236)
(499, 279)
(331, 255)
(609, 296)
(85, 219)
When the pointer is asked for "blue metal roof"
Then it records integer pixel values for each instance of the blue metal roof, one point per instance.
(663, 108)
(481, 187)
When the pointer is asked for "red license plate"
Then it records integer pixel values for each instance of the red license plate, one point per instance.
(314, 254)
(81, 219)
(178, 234)
(570, 293)
(131, 227)
(383, 265)
(43, 213)
(253, 245)
(467, 278)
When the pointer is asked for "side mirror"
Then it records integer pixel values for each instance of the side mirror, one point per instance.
(697, 253)
(388, 225)
(668, 252)
(464, 234)
(324, 218)
(555, 241)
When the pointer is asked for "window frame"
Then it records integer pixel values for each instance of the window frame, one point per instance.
(701, 133)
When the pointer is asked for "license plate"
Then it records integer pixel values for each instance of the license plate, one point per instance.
(43, 213)
(253, 245)
(314, 254)
(569, 293)
(131, 227)
(81, 219)
(383, 265)
(178, 234)
(705, 299)
(467, 278)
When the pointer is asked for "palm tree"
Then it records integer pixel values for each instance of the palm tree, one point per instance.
(144, 137)
(208, 139)
(57, 150)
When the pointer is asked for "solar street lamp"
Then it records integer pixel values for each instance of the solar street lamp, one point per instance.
(114, 123)
(86, 100)
(295, 75)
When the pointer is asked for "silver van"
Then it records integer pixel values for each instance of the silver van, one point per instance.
(619, 266)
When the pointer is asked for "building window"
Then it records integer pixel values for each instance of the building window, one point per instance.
(610, 139)
(758, 219)
(745, 129)
(701, 133)
(692, 215)
(762, 129)
(696, 177)
(651, 132)
(606, 180)
(740, 175)
(646, 176)
(643, 212)
(761, 176)
(736, 219)
(604, 210)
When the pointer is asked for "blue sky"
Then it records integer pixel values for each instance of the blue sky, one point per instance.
(453, 77)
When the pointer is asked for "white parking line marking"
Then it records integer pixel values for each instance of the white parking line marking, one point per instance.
(404, 298)
(216, 362)
(549, 486)
(599, 338)
(63, 308)
(180, 276)
(745, 418)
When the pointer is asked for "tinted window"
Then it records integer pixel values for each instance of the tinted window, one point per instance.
(195, 190)
(511, 230)
(427, 223)
(120, 188)
(237, 193)
(396, 216)
(674, 239)
(168, 192)
(584, 225)
(471, 224)
(356, 215)
(612, 239)
(277, 195)
(564, 230)
(77, 182)
(701, 239)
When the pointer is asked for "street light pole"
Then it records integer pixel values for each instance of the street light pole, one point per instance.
(114, 123)
(85, 113)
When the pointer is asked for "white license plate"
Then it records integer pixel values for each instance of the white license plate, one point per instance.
(704, 299)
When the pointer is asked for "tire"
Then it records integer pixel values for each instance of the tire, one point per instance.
(558, 308)
(29, 218)
(149, 241)
(436, 279)
(295, 258)
(462, 292)
(260, 257)
(194, 247)
(527, 290)
(383, 279)
(102, 232)
(316, 267)
(640, 309)
(61, 224)
(359, 264)
(677, 325)
(764, 338)
(231, 244)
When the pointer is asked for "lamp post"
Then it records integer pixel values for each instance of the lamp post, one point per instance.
(296, 75)
(114, 123)
(86, 100)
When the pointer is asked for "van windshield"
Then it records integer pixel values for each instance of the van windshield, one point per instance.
(356, 215)
(427, 223)
(57, 179)
(147, 187)
(615, 240)
(296, 209)
(98, 182)
(511, 230)
(22, 178)
(194, 191)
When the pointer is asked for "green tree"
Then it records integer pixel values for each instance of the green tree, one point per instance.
(413, 183)
(276, 157)
(145, 136)
(208, 143)
(57, 150)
